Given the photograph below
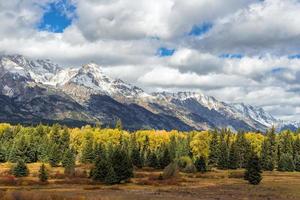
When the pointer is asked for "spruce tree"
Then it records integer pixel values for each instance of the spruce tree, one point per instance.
(153, 161)
(233, 157)
(20, 169)
(119, 125)
(54, 155)
(213, 149)
(243, 148)
(269, 148)
(296, 147)
(223, 159)
(100, 170)
(87, 153)
(121, 164)
(297, 163)
(136, 158)
(68, 162)
(165, 159)
(43, 174)
(111, 177)
(286, 163)
(200, 164)
(253, 170)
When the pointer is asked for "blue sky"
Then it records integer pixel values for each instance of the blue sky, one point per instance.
(57, 16)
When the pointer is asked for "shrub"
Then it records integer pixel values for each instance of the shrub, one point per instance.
(20, 170)
(201, 165)
(43, 174)
(190, 168)
(170, 171)
(286, 163)
(184, 161)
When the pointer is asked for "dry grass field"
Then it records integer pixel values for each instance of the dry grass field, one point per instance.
(146, 186)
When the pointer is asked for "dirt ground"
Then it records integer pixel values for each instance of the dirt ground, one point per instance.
(145, 186)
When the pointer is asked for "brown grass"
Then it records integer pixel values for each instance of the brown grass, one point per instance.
(146, 185)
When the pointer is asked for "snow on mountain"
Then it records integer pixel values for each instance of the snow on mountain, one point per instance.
(40, 71)
(82, 84)
(256, 114)
(90, 79)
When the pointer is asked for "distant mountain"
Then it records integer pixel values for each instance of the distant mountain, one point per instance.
(40, 91)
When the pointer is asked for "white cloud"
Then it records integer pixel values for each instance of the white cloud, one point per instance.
(124, 35)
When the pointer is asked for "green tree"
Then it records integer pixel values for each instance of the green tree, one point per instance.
(223, 159)
(100, 170)
(165, 159)
(214, 149)
(87, 153)
(233, 157)
(119, 125)
(153, 161)
(297, 163)
(111, 177)
(43, 174)
(286, 163)
(20, 169)
(200, 164)
(253, 170)
(244, 149)
(268, 154)
(136, 158)
(68, 162)
(121, 164)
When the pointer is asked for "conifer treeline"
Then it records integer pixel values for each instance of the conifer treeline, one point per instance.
(116, 151)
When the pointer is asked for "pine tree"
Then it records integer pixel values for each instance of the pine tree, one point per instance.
(286, 163)
(43, 174)
(20, 170)
(223, 159)
(111, 177)
(172, 147)
(121, 164)
(153, 161)
(53, 155)
(201, 165)
(297, 162)
(253, 170)
(213, 149)
(165, 159)
(268, 154)
(296, 147)
(87, 153)
(136, 158)
(100, 170)
(243, 149)
(233, 157)
(119, 125)
(68, 162)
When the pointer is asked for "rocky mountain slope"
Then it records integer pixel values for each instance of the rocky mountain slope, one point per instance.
(40, 91)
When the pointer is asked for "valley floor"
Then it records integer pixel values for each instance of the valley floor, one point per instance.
(145, 186)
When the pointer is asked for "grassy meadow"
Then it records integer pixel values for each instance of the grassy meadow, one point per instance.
(146, 185)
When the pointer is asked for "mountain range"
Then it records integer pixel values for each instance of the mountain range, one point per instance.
(39, 91)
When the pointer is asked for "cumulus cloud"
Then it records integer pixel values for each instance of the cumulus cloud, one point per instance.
(124, 36)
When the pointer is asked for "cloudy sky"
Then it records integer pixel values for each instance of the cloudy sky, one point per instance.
(236, 50)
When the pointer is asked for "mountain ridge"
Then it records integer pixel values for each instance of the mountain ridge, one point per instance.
(87, 94)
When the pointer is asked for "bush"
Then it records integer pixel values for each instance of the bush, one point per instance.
(170, 171)
(297, 163)
(201, 165)
(190, 168)
(20, 170)
(286, 163)
(184, 161)
(43, 174)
